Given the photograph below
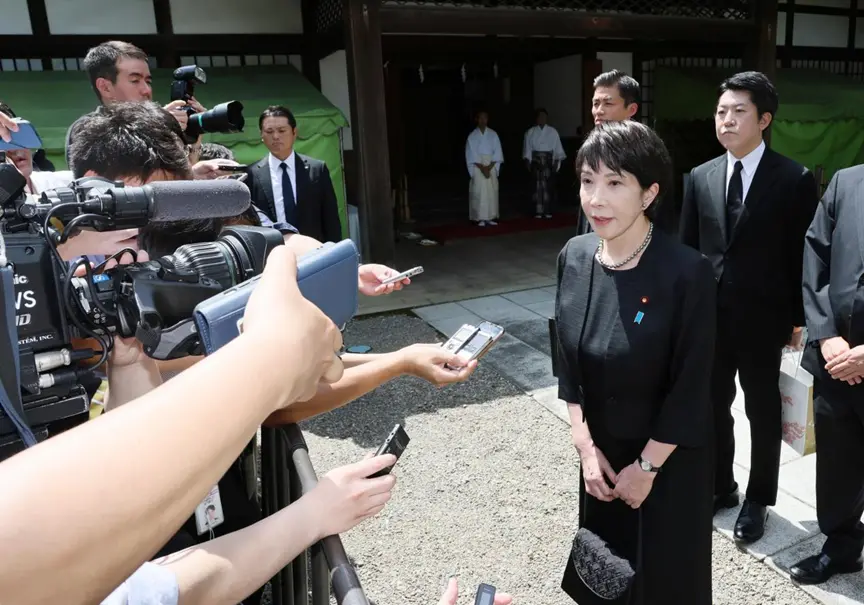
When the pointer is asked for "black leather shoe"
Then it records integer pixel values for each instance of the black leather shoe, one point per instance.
(818, 568)
(729, 500)
(750, 525)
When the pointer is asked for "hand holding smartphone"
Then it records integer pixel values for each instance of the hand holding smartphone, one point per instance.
(395, 444)
(473, 342)
(403, 275)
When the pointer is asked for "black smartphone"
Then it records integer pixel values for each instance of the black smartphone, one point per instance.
(237, 168)
(485, 595)
(395, 444)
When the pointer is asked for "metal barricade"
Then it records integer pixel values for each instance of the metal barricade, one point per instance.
(287, 474)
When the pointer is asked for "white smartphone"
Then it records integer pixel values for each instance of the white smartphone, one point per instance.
(403, 275)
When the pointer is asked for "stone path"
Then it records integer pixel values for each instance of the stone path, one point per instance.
(524, 356)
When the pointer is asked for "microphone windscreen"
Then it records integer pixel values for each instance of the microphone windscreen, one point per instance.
(186, 200)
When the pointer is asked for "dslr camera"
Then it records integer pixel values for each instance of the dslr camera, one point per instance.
(225, 117)
(61, 317)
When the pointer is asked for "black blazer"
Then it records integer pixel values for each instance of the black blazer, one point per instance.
(661, 388)
(759, 272)
(317, 208)
(833, 285)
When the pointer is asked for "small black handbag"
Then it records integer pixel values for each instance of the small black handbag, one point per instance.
(595, 569)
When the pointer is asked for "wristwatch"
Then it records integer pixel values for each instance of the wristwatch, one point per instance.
(648, 467)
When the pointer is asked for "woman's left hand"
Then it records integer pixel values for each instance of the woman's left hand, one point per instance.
(634, 485)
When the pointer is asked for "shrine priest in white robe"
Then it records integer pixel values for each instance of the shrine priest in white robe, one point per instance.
(543, 154)
(484, 157)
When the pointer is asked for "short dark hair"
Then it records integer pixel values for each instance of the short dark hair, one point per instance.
(632, 147)
(758, 86)
(101, 61)
(162, 239)
(215, 151)
(5, 109)
(126, 140)
(540, 110)
(628, 87)
(277, 111)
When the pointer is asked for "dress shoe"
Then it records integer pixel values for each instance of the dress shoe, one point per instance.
(729, 500)
(750, 525)
(818, 568)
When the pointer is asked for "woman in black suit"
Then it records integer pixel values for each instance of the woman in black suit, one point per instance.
(635, 317)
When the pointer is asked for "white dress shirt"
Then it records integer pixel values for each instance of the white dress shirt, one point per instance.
(750, 163)
(276, 182)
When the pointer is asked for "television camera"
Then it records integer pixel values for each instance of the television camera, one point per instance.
(59, 304)
(225, 117)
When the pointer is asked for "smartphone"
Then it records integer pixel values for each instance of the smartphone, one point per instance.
(403, 275)
(470, 342)
(395, 444)
(485, 595)
(25, 138)
(229, 168)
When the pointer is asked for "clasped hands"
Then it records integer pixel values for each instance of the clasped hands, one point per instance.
(842, 362)
(632, 484)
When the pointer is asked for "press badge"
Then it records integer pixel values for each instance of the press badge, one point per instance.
(209, 513)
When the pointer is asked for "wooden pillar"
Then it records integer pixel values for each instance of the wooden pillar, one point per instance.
(789, 39)
(166, 54)
(591, 68)
(850, 35)
(369, 129)
(764, 47)
(311, 56)
(40, 28)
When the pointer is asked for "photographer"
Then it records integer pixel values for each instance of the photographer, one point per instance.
(120, 72)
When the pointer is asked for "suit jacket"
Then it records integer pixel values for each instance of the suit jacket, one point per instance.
(667, 366)
(833, 285)
(317, 213)
(759, 271)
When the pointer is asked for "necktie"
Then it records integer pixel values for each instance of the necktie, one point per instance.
(288, 196)
(734, 200)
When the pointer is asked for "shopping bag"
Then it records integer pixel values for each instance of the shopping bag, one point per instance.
(796, 393)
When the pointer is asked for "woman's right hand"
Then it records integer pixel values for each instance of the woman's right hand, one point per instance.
(595, 470)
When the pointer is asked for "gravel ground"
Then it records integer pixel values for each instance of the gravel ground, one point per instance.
(486, 490)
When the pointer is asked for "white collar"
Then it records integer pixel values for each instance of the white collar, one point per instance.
(749, 161)
(289, 161)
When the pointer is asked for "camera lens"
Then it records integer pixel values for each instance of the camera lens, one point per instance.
(224, 118)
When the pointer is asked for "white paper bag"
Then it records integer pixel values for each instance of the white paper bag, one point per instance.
(796, 393)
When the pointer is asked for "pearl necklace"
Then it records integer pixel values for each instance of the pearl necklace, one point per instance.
(645, 242)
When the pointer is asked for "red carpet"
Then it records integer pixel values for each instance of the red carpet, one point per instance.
(466, 230)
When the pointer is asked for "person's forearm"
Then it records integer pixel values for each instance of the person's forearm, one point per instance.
(352, 360)
(127, 383)
(156, 458)
(355, 382)
(657, 452)
(171, 367)
(578, 427)
(228, 569)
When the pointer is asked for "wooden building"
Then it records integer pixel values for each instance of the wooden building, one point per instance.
(382, 37)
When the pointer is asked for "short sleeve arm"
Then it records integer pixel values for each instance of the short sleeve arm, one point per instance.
(684, 416)
(569, 376)
(151, 584)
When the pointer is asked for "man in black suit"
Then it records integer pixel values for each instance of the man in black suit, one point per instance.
(834, 306)
(293, 188)
(748, 211)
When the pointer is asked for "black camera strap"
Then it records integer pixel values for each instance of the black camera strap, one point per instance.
(10, 374)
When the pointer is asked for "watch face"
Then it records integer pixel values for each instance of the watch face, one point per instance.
(646, 466)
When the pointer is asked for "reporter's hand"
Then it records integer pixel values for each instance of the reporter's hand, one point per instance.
(209, 169)
(370, 277)
(175, 108)
(427, 361)
(195, 105)
(281, 319)
(451, 595)
(7, 127)
(103, 243)
(346, 496)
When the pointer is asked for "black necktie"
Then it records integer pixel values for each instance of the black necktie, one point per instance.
(734, 200)
(288, 195)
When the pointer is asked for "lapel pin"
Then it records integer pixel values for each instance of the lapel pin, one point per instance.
(639, 316)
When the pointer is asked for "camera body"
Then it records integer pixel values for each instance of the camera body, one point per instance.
(224, 118)
(58, 314)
